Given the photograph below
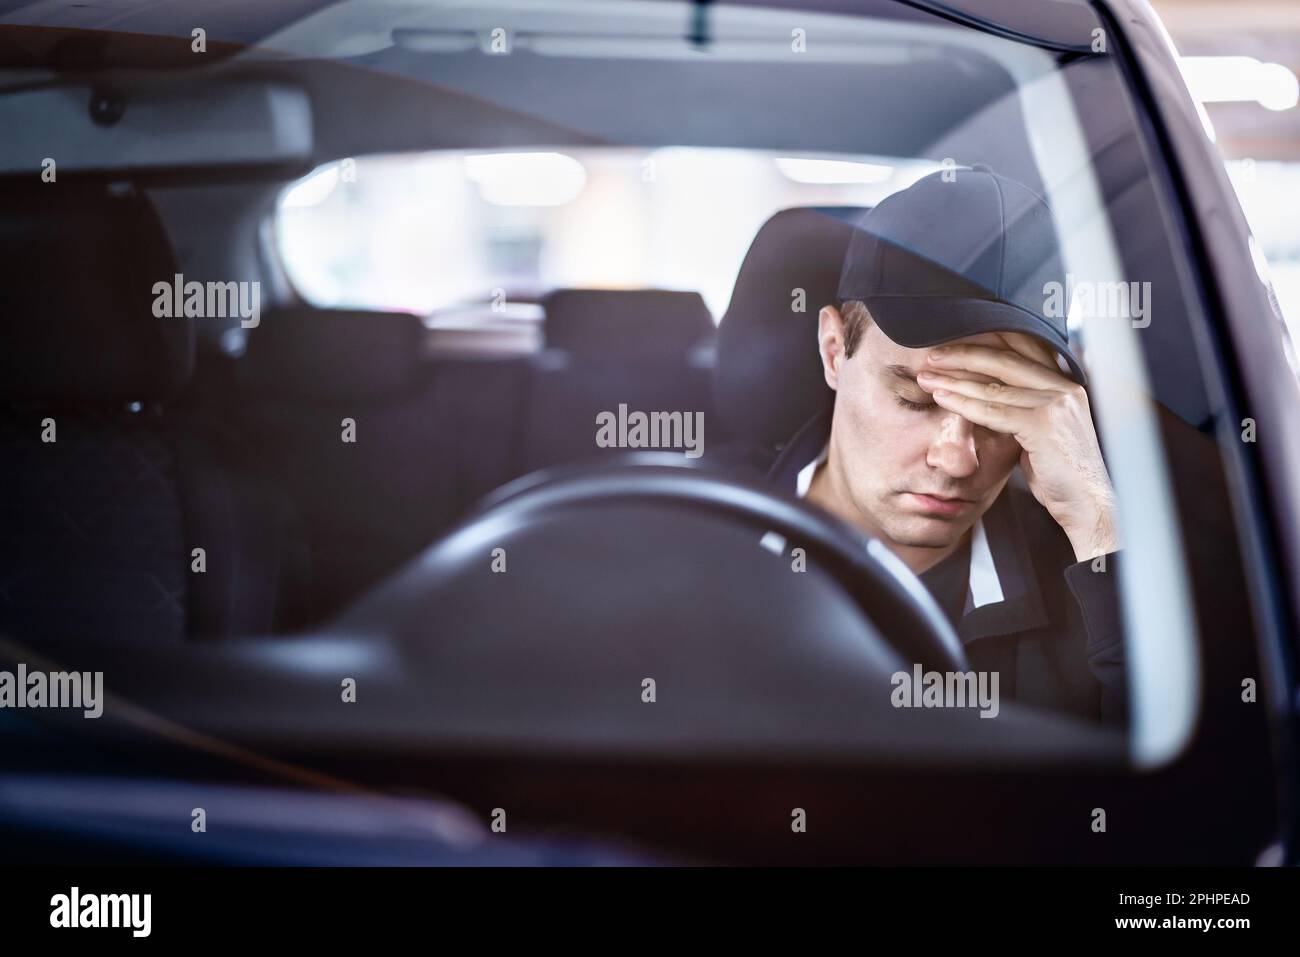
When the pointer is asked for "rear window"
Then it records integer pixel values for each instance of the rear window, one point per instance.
(421, 232)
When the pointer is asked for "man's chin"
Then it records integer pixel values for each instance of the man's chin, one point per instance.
(923, 532)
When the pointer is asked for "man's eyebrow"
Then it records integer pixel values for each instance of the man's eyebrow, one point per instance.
(903, 372)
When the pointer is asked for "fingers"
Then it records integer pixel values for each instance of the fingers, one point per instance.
(1030, 347)
(991, 390)
(996, 416)
(1013, 368)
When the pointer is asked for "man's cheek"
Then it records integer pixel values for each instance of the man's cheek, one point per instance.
(865, 418)
(1001, 458)
(895, 434)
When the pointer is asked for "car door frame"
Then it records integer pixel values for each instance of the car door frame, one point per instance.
(1249, 352)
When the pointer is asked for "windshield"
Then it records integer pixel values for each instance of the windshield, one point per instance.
(616, 379)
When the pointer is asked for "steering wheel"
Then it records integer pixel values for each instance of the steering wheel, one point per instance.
(615, 546)
(616, 609)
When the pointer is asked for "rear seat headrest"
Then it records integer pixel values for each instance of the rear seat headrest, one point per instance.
(767, 381)
(81, 261)
(655, 322)
(333, 354)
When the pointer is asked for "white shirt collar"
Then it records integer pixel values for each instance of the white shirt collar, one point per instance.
(983, 587)
(803, 481)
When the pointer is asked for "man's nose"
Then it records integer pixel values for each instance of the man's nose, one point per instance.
(953, 449)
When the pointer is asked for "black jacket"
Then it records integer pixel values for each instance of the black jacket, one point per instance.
(1056, 637)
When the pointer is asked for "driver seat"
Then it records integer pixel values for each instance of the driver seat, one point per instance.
(767, 380)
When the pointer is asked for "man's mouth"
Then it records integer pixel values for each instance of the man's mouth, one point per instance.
(945, 506)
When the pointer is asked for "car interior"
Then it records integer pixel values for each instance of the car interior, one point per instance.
(229, 515)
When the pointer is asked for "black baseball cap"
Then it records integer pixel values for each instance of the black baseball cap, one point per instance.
(957, 253)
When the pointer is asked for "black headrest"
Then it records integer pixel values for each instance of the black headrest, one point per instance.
(77, 302)
(654, 322)
(333, 354)
(767, 381)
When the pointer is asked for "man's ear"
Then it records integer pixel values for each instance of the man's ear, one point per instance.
(830, 343)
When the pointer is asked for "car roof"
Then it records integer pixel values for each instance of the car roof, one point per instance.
(369, 65)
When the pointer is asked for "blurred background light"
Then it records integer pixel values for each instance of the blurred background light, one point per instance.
(313, 189)
(1241, 59)
(526, 179)
(823, 171)
(1240, 79)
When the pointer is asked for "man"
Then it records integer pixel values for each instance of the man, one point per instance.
(946, 378)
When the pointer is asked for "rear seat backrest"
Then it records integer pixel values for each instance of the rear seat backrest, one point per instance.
(606, 348)
(431, 437)
(625, 324)
(302, 355)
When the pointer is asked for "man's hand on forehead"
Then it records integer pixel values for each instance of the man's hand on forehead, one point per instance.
(1016, 388)
(1029, 347)
(1015, 343)
(1016, 374)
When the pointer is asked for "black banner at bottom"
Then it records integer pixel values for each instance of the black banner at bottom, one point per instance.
(335, 905)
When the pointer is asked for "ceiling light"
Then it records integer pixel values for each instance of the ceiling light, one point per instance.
(1240, 79)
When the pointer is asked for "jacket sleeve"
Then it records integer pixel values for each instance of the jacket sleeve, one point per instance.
(1095, 586)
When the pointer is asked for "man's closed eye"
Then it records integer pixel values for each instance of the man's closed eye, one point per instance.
(915, 406)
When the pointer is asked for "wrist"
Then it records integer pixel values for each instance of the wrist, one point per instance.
(1092, 532)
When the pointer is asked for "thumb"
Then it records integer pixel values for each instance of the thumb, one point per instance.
(1026, 466)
